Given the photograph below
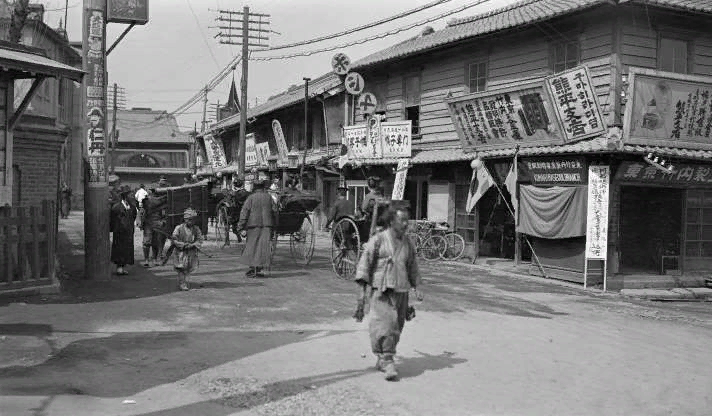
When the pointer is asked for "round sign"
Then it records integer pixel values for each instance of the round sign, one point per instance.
(354, 83)
(367, 102)
(341, 64)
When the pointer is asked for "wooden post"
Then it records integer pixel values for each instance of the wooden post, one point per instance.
(8, 245)
(96, 207)
(50, 217)
(21, 244)
(35, 243)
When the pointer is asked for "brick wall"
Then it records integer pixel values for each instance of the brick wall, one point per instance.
(37, 156)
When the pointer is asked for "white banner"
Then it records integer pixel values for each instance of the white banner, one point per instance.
(282, 150)
(214, 151)
(396, 138)
(597, 212)
(399, 184)
(250, 151)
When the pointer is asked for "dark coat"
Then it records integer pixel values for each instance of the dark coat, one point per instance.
(122, 227)
(341, 208)
(258, 211)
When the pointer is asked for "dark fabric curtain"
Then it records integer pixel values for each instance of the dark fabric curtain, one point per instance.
(334, 117)
(556, 212)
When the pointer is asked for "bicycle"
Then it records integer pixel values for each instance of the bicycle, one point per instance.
(433, 240)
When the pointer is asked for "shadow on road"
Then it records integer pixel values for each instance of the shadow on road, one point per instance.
(127, 363)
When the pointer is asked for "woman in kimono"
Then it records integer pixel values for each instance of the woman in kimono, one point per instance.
(187, 239)
(123, 215)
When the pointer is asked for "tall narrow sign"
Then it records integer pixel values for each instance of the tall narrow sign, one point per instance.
(597, 218)
(399, 184)
(282, 150)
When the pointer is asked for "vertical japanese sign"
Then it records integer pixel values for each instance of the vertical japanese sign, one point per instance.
(668, 109)
(597, 212)
(575, 103)
(399, 184)
(279, 139)
(215, 152)
(250, 150)
(503, 118)
(373, 134)
(95, 82)
(262, 154)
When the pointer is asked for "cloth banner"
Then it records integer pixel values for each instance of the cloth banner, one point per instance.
(479, 184)
(555, 212)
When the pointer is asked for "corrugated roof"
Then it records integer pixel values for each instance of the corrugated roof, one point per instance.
(26, 60)
(292, 96)
(147, 126)
(522, 13)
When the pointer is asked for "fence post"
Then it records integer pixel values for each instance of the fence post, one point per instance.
(35, 243)
(21, 249)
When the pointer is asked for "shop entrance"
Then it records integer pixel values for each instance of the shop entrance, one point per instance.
(650, 228)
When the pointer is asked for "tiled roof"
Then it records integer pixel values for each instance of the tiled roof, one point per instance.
(292, 96)
(145, 126)
(521, 13)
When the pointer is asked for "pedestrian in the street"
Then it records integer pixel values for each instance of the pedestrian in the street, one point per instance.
(386, 272)
(65, 199)
(123, 215)
(140, 195)
(154, 232)
(257, 218)
(187, 239)
(114, 185)
(342, 207)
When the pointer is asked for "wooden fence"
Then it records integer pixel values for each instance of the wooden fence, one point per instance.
(27, 245)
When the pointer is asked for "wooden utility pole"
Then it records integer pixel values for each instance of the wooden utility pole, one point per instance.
(205, 109)
(306, 128)
(96, 205)
(114, 139)
(246, 32)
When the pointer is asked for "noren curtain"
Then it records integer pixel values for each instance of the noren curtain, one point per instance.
(555, 212)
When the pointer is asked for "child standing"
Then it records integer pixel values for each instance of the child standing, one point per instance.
(187, 238)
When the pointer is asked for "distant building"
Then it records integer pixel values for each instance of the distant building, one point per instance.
(150, 145)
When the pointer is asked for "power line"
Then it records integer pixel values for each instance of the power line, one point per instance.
(359, 28)
(374, 37)
(205, 39)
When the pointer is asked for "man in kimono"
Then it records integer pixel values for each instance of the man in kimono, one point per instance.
(187, 239)
(123, 215)
(386, 272)
(257, 218)
(375, 194)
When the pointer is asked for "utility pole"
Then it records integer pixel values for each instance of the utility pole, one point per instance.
(306, 128)
(205, 109)
(114, 139)
(96, 204)
(246, 33)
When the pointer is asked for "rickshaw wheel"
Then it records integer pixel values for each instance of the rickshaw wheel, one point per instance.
(301, 243)
(345, 248)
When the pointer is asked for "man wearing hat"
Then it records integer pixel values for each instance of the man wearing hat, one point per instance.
(342, 207)
(123, 215)
(187, 239)
(257, 218)
(114, 184)
(163, 182)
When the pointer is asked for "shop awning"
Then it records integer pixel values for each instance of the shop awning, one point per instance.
(28, 62)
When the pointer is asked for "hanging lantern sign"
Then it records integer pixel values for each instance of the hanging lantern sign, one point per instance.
(340, 64)
(367, 102)
(354, 83)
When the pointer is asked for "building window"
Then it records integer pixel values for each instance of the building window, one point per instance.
(673, 55)
(411, 97)
(566, 55)
(477, 76)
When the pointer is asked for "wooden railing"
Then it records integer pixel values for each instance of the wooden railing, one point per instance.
(27, 245)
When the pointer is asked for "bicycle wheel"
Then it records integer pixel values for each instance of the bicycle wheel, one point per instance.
(433, 247)
(455, 246)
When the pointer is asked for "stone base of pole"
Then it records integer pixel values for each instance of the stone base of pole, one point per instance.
(97, 246)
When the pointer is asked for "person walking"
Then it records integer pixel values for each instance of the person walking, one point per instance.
(387, 271)
(257, 219)
(123, 215)
(187, 239)
(65, 199)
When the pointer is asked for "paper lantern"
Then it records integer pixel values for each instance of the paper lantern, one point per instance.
(476, 164)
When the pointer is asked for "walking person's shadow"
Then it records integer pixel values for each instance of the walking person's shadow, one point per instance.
(414, 366)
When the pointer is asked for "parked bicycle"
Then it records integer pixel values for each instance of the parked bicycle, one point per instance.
(434, 240)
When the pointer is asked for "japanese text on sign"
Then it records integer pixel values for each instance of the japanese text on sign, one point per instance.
(575, 104)
(396, 138)
(250, 150)
(282, 150)
(597, 212)
(95, 96)
(553, 171)
(214, 151)
(682, 174)
(505, 118)
(356, 140)
(399, 184)
(391, 139)
(262, 154)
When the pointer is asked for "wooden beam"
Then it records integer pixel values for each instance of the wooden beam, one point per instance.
(121, 36)
(25, 102)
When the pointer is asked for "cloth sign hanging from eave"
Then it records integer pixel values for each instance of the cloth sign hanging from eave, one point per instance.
(555, 212)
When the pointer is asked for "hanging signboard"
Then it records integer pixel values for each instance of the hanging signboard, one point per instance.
(506, 117)
(396, 137)
(597, 220)
(340, 64)
(282, 150)
(575, 104)
(262, 154)
(553, 170)
(685, 174)
(399, 184)
(214, 151)
(373, 133)
(367, 102)
(354, 83)
(668, 109)
(356, 141)
(250, 151)
(127, 11)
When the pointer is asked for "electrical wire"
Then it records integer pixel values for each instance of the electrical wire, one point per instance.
(359, 28)
(371, 38)
(205, 39)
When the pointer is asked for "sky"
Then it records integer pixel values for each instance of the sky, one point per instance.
(162, 64)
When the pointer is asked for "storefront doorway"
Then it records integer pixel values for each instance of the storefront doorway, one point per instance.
(650, 229)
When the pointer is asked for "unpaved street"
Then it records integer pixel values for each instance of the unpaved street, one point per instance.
(484, 342)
